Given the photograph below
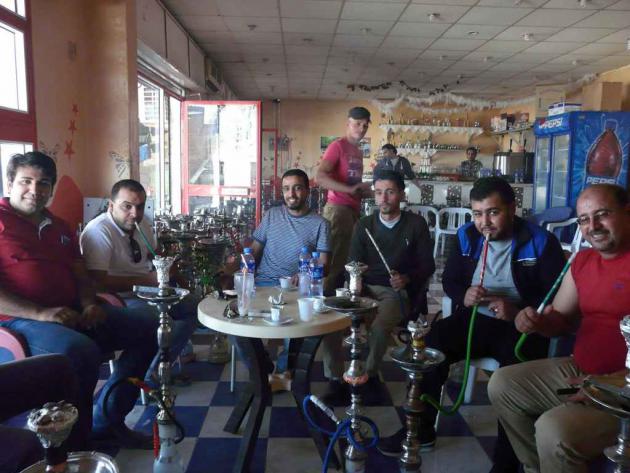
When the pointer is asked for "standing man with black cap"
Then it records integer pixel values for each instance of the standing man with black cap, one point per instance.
(340, 171)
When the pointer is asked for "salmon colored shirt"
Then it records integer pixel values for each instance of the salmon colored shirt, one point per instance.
(347, 160)
(603, 287)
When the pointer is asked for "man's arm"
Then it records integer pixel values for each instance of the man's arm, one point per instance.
(324, 179)
(424, 264)
(257, 250)
(109, 283)
(454, 279)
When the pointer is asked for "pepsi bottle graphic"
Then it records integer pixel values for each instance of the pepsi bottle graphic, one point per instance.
(603, 161)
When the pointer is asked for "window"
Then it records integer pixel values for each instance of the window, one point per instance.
(159, 145)
(17, 111)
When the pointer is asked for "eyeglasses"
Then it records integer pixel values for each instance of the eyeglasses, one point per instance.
(136, 253)
(597, 216)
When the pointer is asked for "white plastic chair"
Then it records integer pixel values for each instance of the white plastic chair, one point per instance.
(425, 211)
(456, 217)
(488, 364)
(577, 242)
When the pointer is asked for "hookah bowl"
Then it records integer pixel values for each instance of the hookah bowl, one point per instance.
(52, 425)
(357, 308)
(163, 298)
(415, 359)
(613, 396)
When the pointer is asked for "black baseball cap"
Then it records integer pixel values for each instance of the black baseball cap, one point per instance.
(359, 113)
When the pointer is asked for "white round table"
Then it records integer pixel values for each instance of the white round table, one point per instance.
(211, 315)
(251, 330)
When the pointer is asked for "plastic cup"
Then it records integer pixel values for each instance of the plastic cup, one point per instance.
(305, 306)
(285, 282)
(244, 286)
(275, 314)
(318, 304)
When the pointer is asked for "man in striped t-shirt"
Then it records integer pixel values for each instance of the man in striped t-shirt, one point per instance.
(285, 229)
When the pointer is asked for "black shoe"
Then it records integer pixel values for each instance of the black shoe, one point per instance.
(123, 437)
(392, 446)
(374, 392)
(337, 394)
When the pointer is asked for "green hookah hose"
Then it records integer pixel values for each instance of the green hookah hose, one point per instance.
(471, 329)
(521, 341)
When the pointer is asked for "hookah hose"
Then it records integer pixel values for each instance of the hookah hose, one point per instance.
(521, 341)
(147, 389)
(344, 428)
(471, 329)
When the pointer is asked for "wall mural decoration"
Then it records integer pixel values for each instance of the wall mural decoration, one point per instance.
(52, 152)
(72, 128)
(121, 164)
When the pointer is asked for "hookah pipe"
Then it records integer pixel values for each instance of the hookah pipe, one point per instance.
(471, 327)
(519, 345)
(343, 430)
(154, 394)
(389, 270)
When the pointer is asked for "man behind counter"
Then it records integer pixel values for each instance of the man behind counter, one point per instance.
(470, 168)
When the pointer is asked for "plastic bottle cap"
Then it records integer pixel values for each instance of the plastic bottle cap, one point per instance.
(305, 249)
(247, 251)
(315, 254)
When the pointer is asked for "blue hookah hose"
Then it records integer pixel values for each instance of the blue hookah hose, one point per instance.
(344, 428)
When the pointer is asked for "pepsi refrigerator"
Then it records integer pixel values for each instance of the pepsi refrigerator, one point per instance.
(576, 149)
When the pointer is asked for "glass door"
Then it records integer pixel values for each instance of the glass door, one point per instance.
(541, 180)
(221, 162)
(560, 171)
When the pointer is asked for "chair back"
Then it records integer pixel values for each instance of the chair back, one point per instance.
(455, 217)
(553, 214)
(430, 214)
(13, 347)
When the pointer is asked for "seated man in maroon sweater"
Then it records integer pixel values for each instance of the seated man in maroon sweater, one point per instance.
(550, 432)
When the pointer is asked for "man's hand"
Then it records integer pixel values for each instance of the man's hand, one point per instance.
(502, 309)
(92, 316)
(361, 188)
(61, 315)
(398, 281)
(474, 295)
(528, 320)
(579, 396)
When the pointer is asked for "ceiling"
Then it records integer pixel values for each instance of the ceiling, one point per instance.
(313, 49)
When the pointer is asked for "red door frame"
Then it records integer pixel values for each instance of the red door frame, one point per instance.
(206, 190)
(275, 159)
(20, 126)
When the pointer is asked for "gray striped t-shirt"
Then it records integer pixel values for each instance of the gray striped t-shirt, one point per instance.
(283, 236)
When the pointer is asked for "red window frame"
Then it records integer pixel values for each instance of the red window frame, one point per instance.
(18, 126)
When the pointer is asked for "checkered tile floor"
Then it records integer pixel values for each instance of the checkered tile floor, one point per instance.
(465, 440)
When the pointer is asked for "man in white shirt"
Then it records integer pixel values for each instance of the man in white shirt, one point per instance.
(117, 257)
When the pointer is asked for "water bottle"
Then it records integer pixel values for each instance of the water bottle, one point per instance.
(304, 272)
(248, 259)
(317, 275)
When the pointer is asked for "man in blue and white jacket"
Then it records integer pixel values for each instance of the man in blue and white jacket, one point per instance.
(522, 264)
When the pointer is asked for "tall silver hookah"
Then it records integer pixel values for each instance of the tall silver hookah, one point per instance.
(52, 425)
(163, 298)
(415, 359)
(356, 374)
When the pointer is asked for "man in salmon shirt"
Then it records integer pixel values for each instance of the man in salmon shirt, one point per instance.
(549, 432)
(47, 297)
(341, 171)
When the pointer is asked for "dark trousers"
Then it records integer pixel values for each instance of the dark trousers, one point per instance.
(130, 330)
(491, 338)
(29, 384)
